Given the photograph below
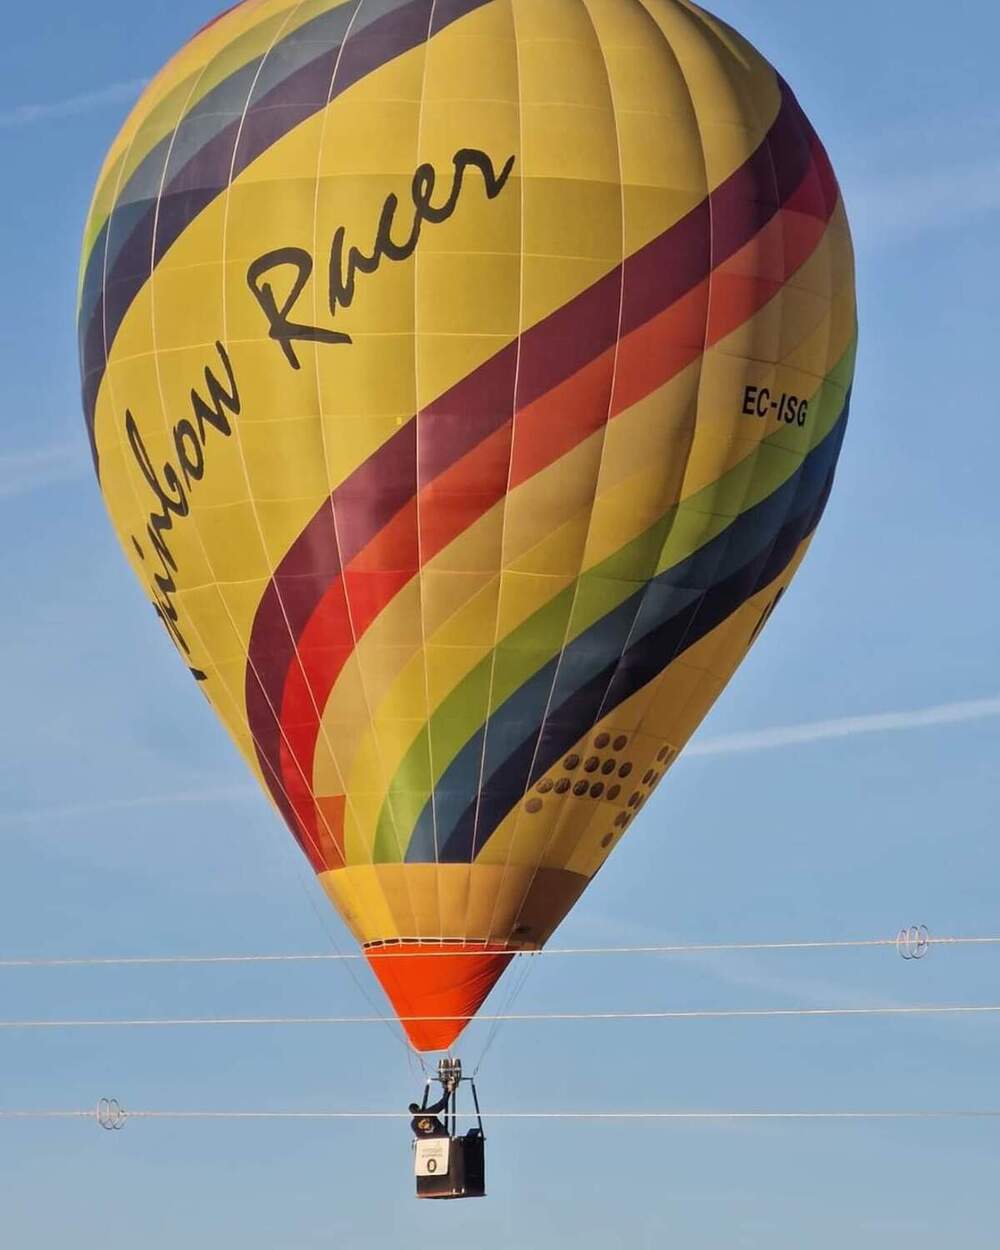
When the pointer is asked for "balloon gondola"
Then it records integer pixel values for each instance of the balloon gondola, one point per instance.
(448, 1164)
(465, 381)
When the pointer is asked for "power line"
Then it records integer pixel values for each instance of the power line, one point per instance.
(737, 1013)
(396, 950)
(929, 1114)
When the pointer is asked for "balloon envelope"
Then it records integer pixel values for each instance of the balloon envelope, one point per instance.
(465, 381)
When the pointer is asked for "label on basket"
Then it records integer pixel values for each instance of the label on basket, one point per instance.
(431, 1155)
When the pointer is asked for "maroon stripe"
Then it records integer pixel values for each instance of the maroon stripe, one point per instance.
(654, 278)
(218, 18)
(207, 174)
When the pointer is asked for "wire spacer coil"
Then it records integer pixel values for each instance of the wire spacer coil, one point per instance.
(111, 1115)
(914, 942)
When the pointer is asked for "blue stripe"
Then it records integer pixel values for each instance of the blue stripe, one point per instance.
(397, 28)
(616, 657)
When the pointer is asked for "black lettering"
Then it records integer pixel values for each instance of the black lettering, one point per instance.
(421, 191)
(153, 529)
(280, 328)
(170, 493)
(218, 399)
(346, 261)
(493, 183)
(749, 396)
(168, 618)
(190, 452)
(763, 401)
(175, 502)
(341, 292)
(343, 277)
(164, 586)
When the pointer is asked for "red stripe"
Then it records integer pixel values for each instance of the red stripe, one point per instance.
(561, 400)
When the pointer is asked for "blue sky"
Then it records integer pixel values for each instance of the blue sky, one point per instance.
(128, 825)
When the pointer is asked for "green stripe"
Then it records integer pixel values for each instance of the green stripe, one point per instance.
(674, 537)
(161, 120)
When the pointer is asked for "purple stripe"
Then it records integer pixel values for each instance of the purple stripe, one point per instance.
(551, 351)
(207, 174)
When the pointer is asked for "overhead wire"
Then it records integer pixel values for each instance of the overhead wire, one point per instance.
(734, 1013)
(395, 950)
(145, 1114)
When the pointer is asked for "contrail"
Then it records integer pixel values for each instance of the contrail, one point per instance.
(73, 106)
(847, 727)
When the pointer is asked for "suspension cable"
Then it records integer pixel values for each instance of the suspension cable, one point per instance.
(737, 1013)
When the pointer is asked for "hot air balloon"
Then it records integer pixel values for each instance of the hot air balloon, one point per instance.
(465, 381)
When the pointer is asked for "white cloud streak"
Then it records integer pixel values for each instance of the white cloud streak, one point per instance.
(27, 471)
(732, 744)
(848, 727)
(217, 794)
(72, 106)
(899, 208)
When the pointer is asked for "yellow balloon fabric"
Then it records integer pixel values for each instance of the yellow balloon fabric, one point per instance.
(465, 381)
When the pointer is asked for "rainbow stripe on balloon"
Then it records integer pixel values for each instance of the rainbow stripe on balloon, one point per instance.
(619, 624)
(462, 589)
